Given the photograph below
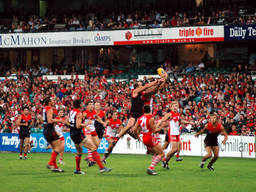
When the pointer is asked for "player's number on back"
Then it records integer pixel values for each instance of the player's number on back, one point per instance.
(44, 115)
(72, 117)
(143, 124)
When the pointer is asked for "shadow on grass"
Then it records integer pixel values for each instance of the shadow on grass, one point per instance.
(39, 174)
(128, 175)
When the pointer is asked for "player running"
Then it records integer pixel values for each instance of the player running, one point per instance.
(51, 135)
(213, 129)
(114, 125)
(91, 115)
(166, 144)
(145, 124)
(80, 140)
(24, 121)
(174, 130)
(60, 128)
(99, 127)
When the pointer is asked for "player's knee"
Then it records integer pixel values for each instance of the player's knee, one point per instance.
(27, 144)
(216, 156)
(161, 154)
(209, 155)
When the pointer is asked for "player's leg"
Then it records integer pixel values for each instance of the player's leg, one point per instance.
(129, 125)
(207, 156)
(123, 131)
(109, 149)
(165, 145)
(215, 150)
(178, 153)
(21, 146)
(53, 138)
(30, 144)
(57, 148)
(174, 149)
(156, 158)
(169, 155)
(26, 146)
(78, 156)
(62, 143)
(89, 158)
(96, 141)
(89, 144)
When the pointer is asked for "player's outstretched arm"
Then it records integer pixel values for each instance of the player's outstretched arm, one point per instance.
(225, 134)
(187, 122)
(152, 90)
(143, 88)
(201, 131)
(165, 118)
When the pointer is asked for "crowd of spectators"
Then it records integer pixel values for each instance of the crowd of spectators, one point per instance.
(135, 19)
(232, 96)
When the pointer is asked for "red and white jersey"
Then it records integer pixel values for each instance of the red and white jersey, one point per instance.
(174, 124)
(144, 124)
(101, 114)
(112, 128)
(59, 127)
(90, 115)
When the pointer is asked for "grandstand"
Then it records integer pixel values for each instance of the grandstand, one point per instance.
(98, 50)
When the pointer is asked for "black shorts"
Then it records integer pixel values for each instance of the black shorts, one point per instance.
(24, 134)
(166, 137)
(77, 138)
(50, 135)
(209, 142)
(136, 115)
(99, 129)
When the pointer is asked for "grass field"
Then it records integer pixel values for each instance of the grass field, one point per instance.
(128, 174)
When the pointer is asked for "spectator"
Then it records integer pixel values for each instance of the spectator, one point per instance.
(155, 24)
(173, 21)
(233, 132)
(201, 66)
(245, 131)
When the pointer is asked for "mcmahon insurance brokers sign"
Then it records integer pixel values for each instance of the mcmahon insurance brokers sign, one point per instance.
(55, 39)
(114, 37)
(245, 32)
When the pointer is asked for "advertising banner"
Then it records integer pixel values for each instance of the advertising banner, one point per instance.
(55, 39)
(238, 33)
(9, 142)
(40, 144)
(114, 37)
(236, 146)
(169, 35)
